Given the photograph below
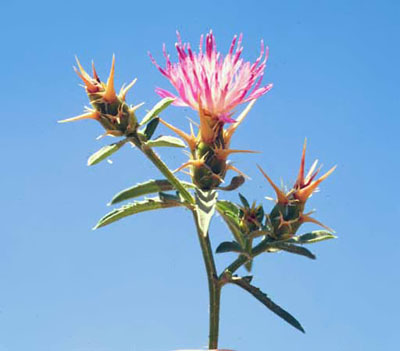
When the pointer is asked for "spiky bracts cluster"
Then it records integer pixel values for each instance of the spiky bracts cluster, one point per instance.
(209, 150)
(288, 214)
(250, 217)
(108, 108)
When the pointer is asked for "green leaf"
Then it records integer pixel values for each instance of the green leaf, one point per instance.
(314, 237)
(230, 214)
(244, 201)
(105, 152)
(149, 187)
(299, 250)
(135, 207)
(151, 127)
(205, 208)
(224, 206)
(148, 151)
(229, 246)
(166, 141)
(156, 110)
(266, 301)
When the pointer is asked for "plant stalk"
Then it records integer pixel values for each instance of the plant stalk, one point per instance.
(153, 157)
(241, 260)
(214, 286)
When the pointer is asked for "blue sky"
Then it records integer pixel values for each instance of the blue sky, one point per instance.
(139, 285)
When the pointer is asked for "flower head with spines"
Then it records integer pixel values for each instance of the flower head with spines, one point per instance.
(108, 107)
(213, 85)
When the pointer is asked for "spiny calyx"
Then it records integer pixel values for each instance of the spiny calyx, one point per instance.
(210, 149)
(108, 108)
(288, 213)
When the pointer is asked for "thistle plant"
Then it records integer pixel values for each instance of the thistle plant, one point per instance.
(213, 85)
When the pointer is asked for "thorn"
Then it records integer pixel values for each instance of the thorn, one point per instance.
(196, 163)
(124, 90)
(91, 115)
(134, 108)
(311, 175)
(305, 218)
(300, 178)
(232, 128)
(304, 194)
(190, 139)
(109, 94)
(282, 198)
(222, 154)
(90, 87)
(95, 76)
(233, 168)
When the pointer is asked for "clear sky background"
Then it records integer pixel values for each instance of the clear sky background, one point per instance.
(140, 285)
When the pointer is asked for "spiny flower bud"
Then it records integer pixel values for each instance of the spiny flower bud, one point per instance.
(288, 214)
(209, 156)
(108, 108)
(251, 217)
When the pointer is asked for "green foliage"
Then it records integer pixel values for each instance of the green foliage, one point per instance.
(266, 301)
(156, 110)
(230, 213)
(244, 201)
(229, 246)
(134, 208)
(298, 250)
(149, 187)
(168, 141)
(105, 152)
(151, 127)
(313, 237)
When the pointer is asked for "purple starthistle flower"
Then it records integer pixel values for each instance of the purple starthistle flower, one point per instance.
(211, 83)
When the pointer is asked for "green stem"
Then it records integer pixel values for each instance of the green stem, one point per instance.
(153, 157)
(235, 265)
(241, 260)
(214, 286)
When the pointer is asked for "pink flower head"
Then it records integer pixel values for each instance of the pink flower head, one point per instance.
(211, 83)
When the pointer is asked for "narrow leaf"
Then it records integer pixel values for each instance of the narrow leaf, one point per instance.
(314, 237)
(229, 246)
(230, 214)
(166, 141)
(224, 206)
(156, 110)
(151, 127)
(266, 301)
(149, 187)
(148, 151)
(133, 208)
(244, 201)
(299, 250)
(105, 152)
